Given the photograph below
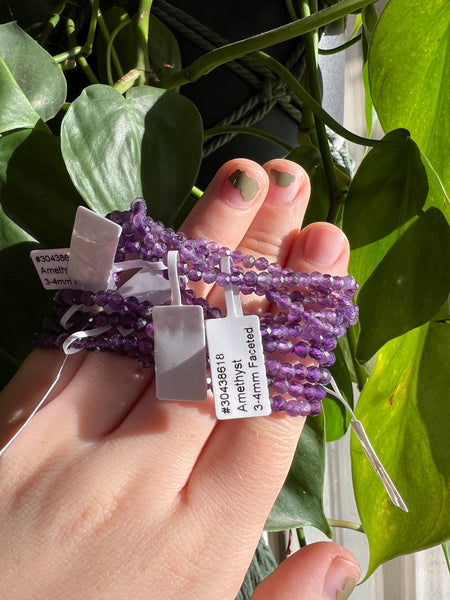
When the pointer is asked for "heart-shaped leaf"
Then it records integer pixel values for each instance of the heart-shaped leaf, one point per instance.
(409, 285)
(35, 188)
(389, 188)
(147, 144)
(15, 110)
(405, 411)
(35, 71)
(409, 71)
(299, 502)
(23, 300)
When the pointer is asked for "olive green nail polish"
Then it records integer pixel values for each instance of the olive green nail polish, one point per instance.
(247, 186)
(281, 178)
(349, 586)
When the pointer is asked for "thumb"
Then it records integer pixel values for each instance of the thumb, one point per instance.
(320, 571)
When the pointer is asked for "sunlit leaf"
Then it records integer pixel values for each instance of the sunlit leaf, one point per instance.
(405, 410)
(409, 71)
(35, 71)
(337, 419)
(15, 110)
(300, 500)
(147, 144)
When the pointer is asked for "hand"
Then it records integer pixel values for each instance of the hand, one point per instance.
(111, 494)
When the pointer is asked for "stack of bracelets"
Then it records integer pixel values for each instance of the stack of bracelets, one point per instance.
(315, 309)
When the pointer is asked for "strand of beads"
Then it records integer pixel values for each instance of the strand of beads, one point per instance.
(315, 309)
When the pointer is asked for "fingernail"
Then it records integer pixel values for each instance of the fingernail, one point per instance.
(323, 245)
(240, 189)
(284, 186)
(338, 585)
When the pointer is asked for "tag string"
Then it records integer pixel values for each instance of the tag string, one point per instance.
(39, 405)
(363, 439)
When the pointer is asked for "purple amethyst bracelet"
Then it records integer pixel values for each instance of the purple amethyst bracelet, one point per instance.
(314, 309)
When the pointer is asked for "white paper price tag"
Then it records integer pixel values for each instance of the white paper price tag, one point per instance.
(180, 345)
(237, 364)
(92, 249)
(52, 268)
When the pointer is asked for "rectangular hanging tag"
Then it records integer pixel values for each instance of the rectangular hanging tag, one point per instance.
(180, 352)
(180, 345)
(52, 268)
(92, 249)
(238, 369)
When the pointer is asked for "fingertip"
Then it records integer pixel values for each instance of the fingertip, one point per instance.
(323, 247)
(287, 181)
(319, 571)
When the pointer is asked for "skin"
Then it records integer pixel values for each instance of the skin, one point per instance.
(111, 494)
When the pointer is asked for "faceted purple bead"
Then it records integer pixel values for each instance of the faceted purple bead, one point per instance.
(274, 268)
(291, 279)
(303, 280)
(101, 298)
(301, 349)
(295, 389)
(293, 408)
(246, 289)
(269, 344)
(313, 374)
(261, 263)
(138, 206)
(115, 300)
(328, 359)
(278, 403)
(285, 347)
(223, 279)
(272, 366)
(280, 385)
(194, 274)
(250, 278)
(287, 370)
(209, 276)
(237, 256)
(300, 370)
(316, 354)
(212, 246)
(272, 295)
(224, 251)
(315, 409)
(248, 261)
(284, 301)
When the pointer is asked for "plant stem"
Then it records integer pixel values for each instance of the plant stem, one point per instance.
(60, 58)
(142, 27)
(70, 27)
(127, 81)
(310, 40)
(248, 130)
(87, 48)
(346, 525)
(286, 76)
(211, 60)
(360, 373)
(342, 47)
(301, 537)
(110, 52)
